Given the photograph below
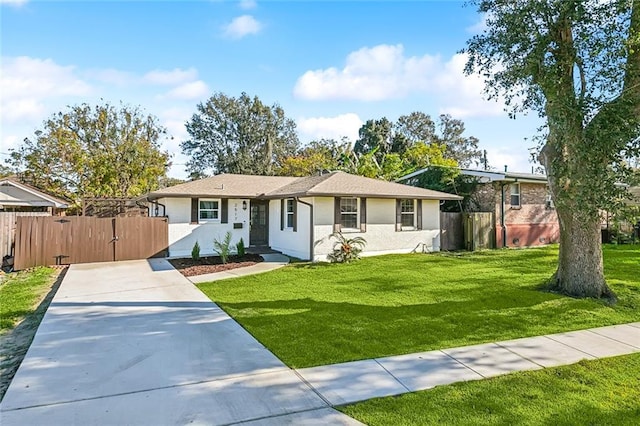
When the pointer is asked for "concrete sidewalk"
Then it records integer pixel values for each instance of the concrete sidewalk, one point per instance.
(360, 380)
(271, 262)
(136, 343)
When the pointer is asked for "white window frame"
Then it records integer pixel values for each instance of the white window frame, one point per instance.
(516, 193)
(412, 213)
(356, 213)
(218, 210)
(288, 213)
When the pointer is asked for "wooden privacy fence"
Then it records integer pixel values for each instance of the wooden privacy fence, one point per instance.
(8, 229)
(451, 231)
(467, 231)
(479, 231)
(82, 239)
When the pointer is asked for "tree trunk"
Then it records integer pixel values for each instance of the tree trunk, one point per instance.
(580, 270)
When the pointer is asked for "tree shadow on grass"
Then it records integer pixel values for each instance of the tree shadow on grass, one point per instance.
(306, 332)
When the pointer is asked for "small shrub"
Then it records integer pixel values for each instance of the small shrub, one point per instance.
(223, 247)
(346, 249)
(195, 251)
(240, 249)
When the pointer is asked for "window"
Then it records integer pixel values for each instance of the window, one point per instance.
(407, 213)
(514, 190)
(349, 213)
(289, 213)
(209, 210)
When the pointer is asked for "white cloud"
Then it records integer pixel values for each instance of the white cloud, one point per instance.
(248, 4)
(463, 95)
(330, 127)
(370, 74)
(32, 89)
(384, 72)
(192, 90)
(27, 83)
(172, 77)
(242, 26)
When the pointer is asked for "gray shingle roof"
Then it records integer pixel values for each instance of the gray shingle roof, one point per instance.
(335, 184)
(344, 184)
(225, 185)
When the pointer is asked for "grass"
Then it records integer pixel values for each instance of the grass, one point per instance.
(21, 293)
(601, 392)
(317, 314)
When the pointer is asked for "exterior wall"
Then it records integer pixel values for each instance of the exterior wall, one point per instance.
(530, 224)
(381, 235)
(296, 244)
(183, 234)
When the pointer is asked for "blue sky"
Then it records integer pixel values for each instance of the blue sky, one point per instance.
(330, 64)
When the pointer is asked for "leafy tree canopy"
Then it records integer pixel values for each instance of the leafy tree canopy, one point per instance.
(238, 135)
(94, 151)
(385, 137)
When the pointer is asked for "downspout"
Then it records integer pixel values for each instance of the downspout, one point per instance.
(504, 226)
(311, 245)
(156, 203)
(164, 209)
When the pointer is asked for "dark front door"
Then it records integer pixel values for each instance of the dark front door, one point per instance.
(259, 231)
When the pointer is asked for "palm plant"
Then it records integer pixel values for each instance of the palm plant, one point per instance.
(346, 249)
(223, 247)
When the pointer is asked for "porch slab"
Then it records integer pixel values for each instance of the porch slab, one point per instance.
(545, 351)
(594, 344)
(627, 334)
(427, 369)
(490, 359)
(352, 381)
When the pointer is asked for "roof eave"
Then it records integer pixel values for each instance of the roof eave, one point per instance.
(362, 195)
(156, 196)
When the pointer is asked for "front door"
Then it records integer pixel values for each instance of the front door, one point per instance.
(259, 226)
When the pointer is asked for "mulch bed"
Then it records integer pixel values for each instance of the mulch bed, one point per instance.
(207, 265)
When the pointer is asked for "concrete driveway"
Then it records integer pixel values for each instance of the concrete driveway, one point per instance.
(135, 343)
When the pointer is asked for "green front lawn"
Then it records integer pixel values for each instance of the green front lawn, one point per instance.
(316, 314)
(601, 392)
(20, 294)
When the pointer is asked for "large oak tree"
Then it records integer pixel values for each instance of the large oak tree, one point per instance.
(94, 151)
(238, 135)
(577, 63)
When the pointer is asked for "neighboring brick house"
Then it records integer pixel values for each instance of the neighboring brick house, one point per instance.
(522, 207)
(524, 212)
